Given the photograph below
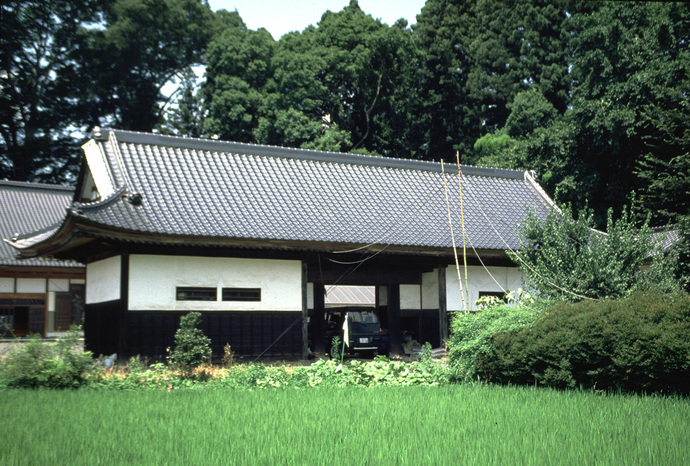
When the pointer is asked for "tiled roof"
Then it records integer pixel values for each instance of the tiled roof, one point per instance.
(667, 236)
(211, 189)
(31, 207)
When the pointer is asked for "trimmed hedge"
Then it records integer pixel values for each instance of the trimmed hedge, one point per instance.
(640, 343)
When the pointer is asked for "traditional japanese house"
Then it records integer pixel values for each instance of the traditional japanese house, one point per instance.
(251, 236)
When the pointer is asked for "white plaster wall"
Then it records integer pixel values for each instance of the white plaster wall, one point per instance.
(6, 285)
(31, 285)
(430, 290)
(58, 284)
(103, 280)
(77, 281)
(310, 296)
(410, 297)
(510, 278)
(153, 281)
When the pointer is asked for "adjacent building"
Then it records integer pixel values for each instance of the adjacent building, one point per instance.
(37, 295)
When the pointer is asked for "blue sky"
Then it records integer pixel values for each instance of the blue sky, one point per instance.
(281, 16)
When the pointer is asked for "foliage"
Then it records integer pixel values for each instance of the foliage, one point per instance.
(565, 258)
(38, 363)
(639, 343)
(38, 85)
(337, 349)
(192, 347)
(471, 335)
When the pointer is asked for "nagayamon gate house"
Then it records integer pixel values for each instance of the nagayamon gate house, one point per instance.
(251, 236)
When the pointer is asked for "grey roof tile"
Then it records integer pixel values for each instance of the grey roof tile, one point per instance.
(205, 188)
(31, 207)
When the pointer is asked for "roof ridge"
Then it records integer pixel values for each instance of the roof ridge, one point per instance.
(33, 185)
(298, 153)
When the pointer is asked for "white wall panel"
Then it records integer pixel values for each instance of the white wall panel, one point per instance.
(31, 285)
(103, 280)
(430, 290)
(310, 295)
(410, 297)
(153, 281)
(6, 285)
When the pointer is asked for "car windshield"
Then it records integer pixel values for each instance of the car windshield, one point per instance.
(363, 322)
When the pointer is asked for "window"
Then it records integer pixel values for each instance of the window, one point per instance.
(241, 294)
(186, 293)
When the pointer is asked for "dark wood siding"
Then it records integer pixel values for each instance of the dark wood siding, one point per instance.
(249, 333)
(101, 330)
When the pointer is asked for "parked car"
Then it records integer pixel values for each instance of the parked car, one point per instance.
(360, 327)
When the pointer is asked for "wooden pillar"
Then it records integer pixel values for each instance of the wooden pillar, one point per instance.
(123, 341)
(442, 305)
(394, 320)
(305, 314)
(319, 317)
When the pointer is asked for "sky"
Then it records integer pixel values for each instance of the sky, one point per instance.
(282, 16)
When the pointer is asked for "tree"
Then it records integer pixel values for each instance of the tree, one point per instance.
(565, 258)
(142, 46)
(477, 56)
(239, 69)
(332, 87)
(38, 87)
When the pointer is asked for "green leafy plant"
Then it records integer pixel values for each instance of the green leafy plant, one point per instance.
(565, 258)
(192, 347)
(471, 336)
(38, 363)
(337, 349)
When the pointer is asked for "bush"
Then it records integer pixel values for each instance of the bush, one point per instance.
(640, 343)
(38, 363)
(192, 347)
(470, 342)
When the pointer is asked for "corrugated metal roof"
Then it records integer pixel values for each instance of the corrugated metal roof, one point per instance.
(348, 295)
(211, 189)
(31, 207)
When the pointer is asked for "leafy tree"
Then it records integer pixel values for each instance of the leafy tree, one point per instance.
(239, 68)
(141, 47)
(628, 109)
(185, 114)
(38, 85)
(192, 347)
(478, 56)
(565, 258)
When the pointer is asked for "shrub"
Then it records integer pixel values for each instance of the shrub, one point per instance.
(38, 363)
(471, 336)
(192, 347)
(640, 343)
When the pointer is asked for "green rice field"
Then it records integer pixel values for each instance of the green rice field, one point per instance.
(461, 424)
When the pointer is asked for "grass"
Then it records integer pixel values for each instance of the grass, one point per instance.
(461, 424)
